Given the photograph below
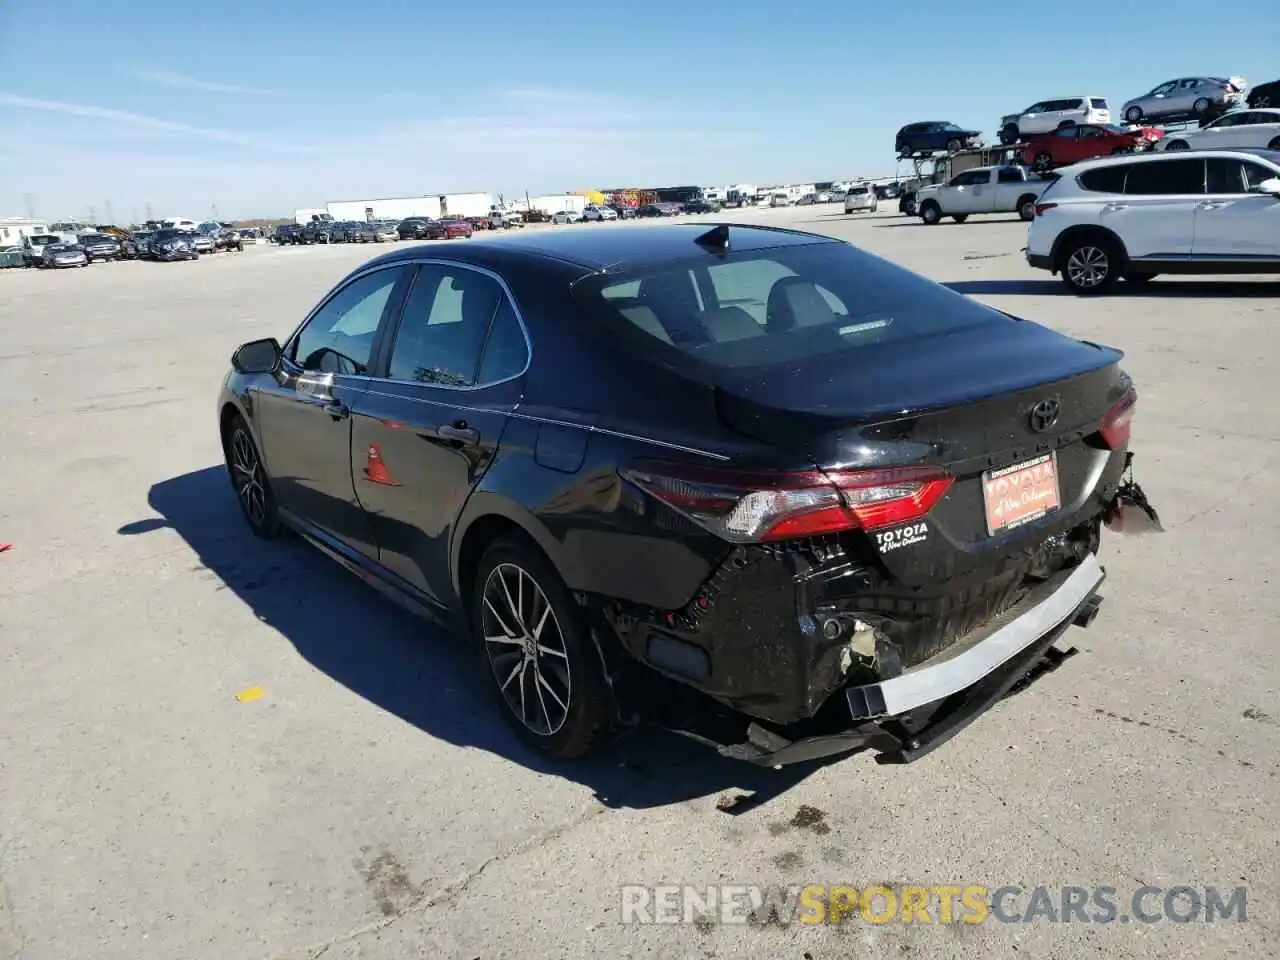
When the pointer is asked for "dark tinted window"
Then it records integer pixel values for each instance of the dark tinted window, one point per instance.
(1067, 133)
(505, 352)
(1091, 133)
(1166, 176)
(1099, 103)
(1228, 175)
(443, 326)
(776, 306)
(971, 178)
(339, 338)
(1010, 175)
(1104, 179)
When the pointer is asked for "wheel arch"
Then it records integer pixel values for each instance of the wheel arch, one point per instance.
(1083, 231)
(489, 517)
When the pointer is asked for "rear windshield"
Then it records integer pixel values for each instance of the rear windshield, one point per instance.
(760, 308)
(862, 189)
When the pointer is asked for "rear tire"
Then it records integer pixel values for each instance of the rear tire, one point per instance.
(249, 480)
(1089, 265)
(1043, 162)
(1026, 209)
(1201, 105)
(1173, 146)
(1274, 144)
(544, 667)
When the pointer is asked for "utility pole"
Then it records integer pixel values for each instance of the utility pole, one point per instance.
(148, 210)
(107, 209)
(30, 200)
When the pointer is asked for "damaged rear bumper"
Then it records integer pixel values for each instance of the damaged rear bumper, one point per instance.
(911, 715)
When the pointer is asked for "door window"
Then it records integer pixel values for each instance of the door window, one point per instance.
(506, 351)
(1010, 175)
(1228, 175)
(971, 178)
(1166, 177)
(1230, 120)
(1066, 133)
(1164, 89)
(1090, 133)
(443, 326)
(339, 336)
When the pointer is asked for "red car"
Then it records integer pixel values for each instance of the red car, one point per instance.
(1084, 142)
(447, 229)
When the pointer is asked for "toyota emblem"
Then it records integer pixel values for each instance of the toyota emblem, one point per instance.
(1044, 415)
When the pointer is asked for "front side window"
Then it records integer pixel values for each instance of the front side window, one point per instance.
(1229, 175)
(1166, 177)
(1066, 133)
(443, 326)
(339, 336)
(1164, 89)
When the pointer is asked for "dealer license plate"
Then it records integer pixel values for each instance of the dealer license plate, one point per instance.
(1021, 493)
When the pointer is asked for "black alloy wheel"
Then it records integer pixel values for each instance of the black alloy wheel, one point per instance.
(250, 482)
(545, 666)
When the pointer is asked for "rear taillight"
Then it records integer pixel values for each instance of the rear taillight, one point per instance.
(1115, 426)
(755, 507)
(1042, 207)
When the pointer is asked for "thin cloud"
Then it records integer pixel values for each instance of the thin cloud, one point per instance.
(137, 120)
(178, 80)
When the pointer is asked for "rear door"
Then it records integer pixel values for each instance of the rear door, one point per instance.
(429, 425)
(1156, 217)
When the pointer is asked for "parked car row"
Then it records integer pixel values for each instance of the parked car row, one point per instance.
(168, 243)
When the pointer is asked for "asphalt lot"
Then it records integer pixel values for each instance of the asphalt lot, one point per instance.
(369, 804)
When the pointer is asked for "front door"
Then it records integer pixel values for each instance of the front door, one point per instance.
(304, 417)
(1233, 222)
(428, 428)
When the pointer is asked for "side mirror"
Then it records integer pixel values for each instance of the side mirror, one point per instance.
(1270, 186)
(258, 356)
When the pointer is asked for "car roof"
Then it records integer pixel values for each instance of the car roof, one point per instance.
(622, 246)
(1273, 156)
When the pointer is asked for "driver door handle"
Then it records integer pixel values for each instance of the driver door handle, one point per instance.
(337, 409)
(460, 432)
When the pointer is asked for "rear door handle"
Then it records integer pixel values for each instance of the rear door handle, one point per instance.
(337, 409)
(460, 432)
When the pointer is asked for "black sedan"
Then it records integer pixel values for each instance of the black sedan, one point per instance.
(170, 244)
(752, 483)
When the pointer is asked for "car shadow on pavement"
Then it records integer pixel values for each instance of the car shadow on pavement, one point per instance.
(917, 222)
(1153, 290)
(417, 671)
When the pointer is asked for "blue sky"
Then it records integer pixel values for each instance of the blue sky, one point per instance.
(263, 107)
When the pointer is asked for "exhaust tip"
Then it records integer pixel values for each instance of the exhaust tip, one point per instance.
(1088, 612)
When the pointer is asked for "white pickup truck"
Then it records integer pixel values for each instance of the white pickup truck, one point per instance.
(1002, 189)
(503, 219)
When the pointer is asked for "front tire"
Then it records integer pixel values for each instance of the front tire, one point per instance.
(1173, 146)
(954, 145)
(930, 213)
(250, 481)
(1274, 144)
(1201, 105)
(1090, 266)
(1043, 162)
(546, 670)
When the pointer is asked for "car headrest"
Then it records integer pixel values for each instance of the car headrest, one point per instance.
(731, 323)
(795, 302)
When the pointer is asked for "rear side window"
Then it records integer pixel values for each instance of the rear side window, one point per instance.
(1010, 175)
(1166, 177)
(1098, 103)
(1104, 179)
(776, 306)
(1072, 104)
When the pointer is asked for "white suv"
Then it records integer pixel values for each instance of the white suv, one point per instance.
(1138, 216)
(1048, 115)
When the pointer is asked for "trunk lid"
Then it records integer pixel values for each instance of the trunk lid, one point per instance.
(964, 403)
